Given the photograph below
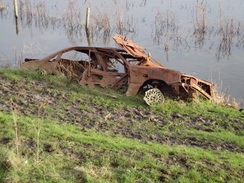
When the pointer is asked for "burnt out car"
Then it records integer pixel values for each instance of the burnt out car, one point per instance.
(129, 67)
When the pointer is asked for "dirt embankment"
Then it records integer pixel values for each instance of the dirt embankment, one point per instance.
(133, 122)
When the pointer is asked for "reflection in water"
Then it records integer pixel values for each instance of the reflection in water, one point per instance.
(228, 31)
(167, 29)
(222, 37)
(72, 21)
(16, 25)
(165, 25)
(88, 37)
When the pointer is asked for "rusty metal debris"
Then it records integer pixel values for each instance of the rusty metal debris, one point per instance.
(128, 67)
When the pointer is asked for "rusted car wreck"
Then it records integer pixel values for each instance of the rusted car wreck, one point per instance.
(128, 67)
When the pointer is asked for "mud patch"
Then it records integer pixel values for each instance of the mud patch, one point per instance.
(131, 122)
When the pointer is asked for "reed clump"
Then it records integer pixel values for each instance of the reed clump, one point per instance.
(200, 24)
(228, 30)
(72, 20)
(223, 98)
(124, 23)
(102, 22)
(1, 6)
(165, 26)
(119, 21)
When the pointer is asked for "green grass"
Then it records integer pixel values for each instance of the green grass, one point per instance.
(101, 152)
(98, 135)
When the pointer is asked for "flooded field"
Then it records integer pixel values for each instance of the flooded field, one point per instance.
(203, 38)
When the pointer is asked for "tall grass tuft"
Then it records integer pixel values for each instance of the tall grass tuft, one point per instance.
(222, 97)
(1, 5)
(119, 22)
(72, 20)
(38, 126)
(14, 110)
(200, 24)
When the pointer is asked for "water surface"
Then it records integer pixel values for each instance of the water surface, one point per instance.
(168, 29)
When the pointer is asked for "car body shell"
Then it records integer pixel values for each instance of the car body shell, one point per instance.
(117, 68)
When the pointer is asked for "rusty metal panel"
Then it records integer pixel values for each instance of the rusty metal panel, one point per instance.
(132, 48)
(136, 51)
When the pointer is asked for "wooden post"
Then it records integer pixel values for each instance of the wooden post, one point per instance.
(87, 26)
(88, 37)
(16, 9)
(87, 18)
(16, 25)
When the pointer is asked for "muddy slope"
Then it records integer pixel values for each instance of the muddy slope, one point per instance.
(131, 122)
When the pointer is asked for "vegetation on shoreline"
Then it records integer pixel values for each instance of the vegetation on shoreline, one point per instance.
(53, 130)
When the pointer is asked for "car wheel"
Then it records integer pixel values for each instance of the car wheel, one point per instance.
(154, 97)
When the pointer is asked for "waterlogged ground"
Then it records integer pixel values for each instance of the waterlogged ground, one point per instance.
(201, 38)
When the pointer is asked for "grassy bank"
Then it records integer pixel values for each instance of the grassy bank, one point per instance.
(53, 130)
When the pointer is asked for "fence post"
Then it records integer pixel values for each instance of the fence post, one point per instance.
(16, 9)
(87, 26)
(87, 18)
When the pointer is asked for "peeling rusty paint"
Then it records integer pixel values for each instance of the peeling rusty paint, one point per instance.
(117, 68)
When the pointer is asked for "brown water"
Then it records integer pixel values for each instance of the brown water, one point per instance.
(201, 38)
